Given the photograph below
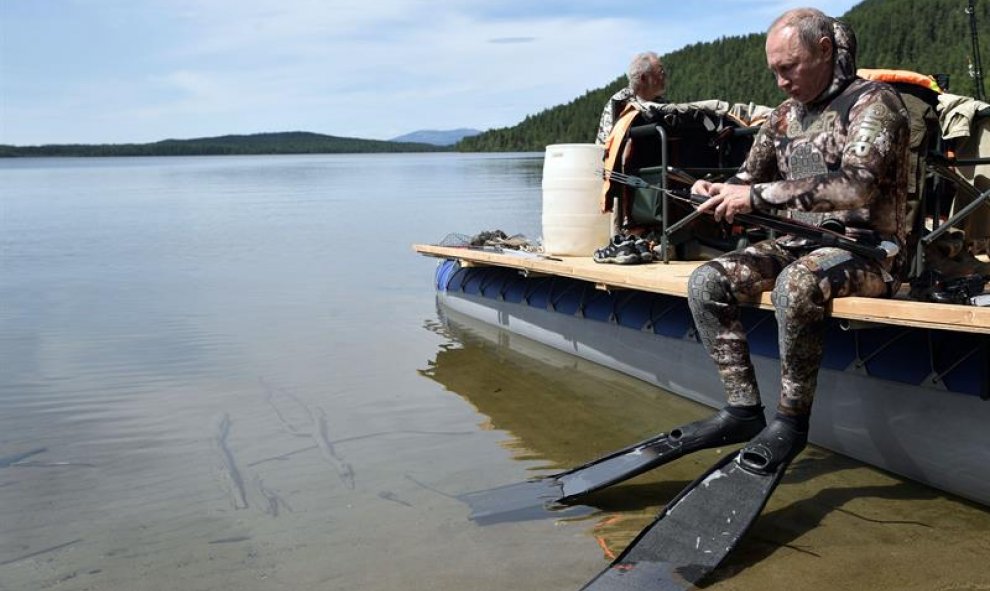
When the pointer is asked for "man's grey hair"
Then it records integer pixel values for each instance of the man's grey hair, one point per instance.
(810, 24)
(641, 65)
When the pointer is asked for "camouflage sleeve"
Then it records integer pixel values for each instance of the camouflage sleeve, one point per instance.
(873, 147)
(604, 124)
(761, 163)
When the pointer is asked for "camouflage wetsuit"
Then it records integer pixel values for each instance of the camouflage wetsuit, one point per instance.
(841, 157)
(614, 107)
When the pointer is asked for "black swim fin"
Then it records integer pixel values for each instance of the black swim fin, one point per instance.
(700, 526)
(524, 499)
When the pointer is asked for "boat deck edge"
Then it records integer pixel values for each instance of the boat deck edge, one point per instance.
(671, 279)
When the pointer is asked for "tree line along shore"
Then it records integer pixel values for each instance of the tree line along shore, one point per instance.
(932, 37)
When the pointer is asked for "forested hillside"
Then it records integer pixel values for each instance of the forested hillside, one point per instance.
(928, 36)
(295, 142)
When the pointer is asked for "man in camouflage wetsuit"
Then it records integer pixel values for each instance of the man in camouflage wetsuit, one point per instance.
(647, 83)
(835, 150)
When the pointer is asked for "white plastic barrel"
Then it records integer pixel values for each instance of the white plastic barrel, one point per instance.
(573, 224)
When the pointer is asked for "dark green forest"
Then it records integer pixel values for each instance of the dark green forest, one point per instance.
(295, 142)
(926, 36)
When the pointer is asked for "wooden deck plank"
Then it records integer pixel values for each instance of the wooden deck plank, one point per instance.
(671, 279)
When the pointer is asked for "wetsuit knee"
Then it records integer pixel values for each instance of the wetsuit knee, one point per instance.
(708, 283)
(797, 293)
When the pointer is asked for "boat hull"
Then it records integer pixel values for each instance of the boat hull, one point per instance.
(907, 400)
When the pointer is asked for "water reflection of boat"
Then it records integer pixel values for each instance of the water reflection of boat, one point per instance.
(904, 385)
(556, 408)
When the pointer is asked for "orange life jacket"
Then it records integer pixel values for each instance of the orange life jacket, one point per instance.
(613, 145)
(905, 76)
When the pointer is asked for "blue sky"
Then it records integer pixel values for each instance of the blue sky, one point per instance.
(113, 71)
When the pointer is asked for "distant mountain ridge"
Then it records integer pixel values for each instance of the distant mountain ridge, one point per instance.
(436, 137)
(292, 142)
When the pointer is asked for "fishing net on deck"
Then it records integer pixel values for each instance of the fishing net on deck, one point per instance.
(491, 239)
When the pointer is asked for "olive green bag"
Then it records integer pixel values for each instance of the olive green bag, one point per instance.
(646, 207)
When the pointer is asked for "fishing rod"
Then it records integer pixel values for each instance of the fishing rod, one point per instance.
(822, 236)
(976, 65)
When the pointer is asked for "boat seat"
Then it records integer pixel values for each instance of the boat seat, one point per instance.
(694, 141)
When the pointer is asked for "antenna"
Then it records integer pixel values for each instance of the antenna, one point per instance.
(976, 68)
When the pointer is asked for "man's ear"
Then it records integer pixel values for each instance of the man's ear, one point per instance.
(827, 47)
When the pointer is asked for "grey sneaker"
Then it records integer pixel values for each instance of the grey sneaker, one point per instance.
(643, 249)
(620, 250)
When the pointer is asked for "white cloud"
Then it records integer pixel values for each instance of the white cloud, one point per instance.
(375, 69)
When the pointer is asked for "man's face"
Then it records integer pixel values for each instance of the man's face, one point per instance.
(652, 84)
(659, 79)
(801, 72)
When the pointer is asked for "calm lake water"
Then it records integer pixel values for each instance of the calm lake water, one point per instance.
(230, 373)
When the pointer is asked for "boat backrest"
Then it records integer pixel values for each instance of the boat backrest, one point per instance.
(700, 139)
(937, 188)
